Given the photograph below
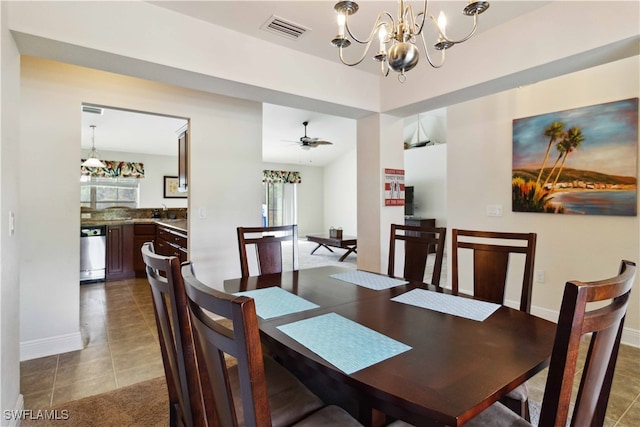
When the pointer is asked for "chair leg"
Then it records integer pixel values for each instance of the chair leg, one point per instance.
(520, 407)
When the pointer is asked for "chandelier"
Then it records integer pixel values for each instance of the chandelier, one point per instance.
(401, 35)
(92, 159)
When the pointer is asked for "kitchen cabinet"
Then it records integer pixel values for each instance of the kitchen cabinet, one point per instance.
(183, 161)
(119, 249)
(171, 241)
(142, 233)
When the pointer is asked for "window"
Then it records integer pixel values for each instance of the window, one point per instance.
(281, 204)
(100, 193)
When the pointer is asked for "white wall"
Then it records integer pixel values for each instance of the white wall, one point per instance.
(10, 397)
(225, 185)
(156, 167)
(310, 191)
(340, 195)
(479, 174)
(425, 169)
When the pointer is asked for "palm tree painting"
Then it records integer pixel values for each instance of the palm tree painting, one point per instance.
(579, 161)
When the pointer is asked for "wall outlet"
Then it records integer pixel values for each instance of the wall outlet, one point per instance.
(539, 276)
(494, 210)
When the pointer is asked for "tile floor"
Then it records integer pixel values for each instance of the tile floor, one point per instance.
(122, 348)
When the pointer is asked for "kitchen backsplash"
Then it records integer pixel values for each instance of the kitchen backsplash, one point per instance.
(110, 214)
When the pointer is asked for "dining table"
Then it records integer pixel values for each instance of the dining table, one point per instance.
(371, 344)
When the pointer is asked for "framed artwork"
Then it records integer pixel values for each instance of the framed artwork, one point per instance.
(582, 161)
(171, 189)
(393, 187)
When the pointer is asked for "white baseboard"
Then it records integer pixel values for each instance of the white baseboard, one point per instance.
(51, 345)
(13, 418)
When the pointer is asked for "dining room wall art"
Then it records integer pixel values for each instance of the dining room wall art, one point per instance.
(393, 187)
(581, 161)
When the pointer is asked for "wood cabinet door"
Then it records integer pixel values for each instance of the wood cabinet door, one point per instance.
(142, 233)
(183, 160)
(119, 251)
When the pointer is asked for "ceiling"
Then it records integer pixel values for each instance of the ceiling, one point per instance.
(127, 131)
(319, 18)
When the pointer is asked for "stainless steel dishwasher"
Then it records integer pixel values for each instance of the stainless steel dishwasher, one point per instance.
(93, 245)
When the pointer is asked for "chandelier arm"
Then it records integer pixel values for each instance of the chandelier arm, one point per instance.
(384, 65)
(424, 15)
(364, 54)
(426, 51)
(373, 30)
(468, 36)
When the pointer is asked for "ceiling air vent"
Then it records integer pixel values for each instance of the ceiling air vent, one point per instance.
(282, 27)
(92, 110)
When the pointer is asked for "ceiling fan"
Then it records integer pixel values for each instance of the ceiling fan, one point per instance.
(307, 142)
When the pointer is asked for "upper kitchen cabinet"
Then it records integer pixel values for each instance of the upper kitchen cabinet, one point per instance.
(183, 160)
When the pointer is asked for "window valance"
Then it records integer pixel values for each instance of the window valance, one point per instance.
(115, 169)
(286, 177)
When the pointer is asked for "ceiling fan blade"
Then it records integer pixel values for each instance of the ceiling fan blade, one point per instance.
(316, 143)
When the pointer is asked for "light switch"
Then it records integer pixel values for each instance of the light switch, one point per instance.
(202, 212)
(12, 223)
(494, 210)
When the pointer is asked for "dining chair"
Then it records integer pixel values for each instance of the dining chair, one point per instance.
(419, 242)
(268, 246)
(578, 319)
(256, 391)
(176, 340)
(492, 252)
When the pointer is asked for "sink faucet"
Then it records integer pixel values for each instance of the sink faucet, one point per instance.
(164, 207)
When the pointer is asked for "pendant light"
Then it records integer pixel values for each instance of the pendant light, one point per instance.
(92, 160)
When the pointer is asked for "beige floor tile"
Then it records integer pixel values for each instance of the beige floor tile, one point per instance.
(36, 382)
(39, 400)
(134, 320)
(92, 337)
(141, 332)
(41, 364)
(88, 354)
(83, 388)
(133, 344)
(632, 417)
(134, 359)
(147, 371)
(83, 371)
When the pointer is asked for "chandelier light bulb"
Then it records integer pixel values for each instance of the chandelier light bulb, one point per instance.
(382, 36)
(341, 20)
(442, 23)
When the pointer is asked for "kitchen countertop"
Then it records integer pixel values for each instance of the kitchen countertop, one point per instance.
(178, 224)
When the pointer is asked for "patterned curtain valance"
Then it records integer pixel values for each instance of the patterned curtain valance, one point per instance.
(286, 177)
(115, 169)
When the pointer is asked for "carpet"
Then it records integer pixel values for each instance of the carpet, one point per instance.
(142, 404)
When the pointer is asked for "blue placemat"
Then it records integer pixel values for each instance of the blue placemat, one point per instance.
(345, 344)
(274, 302)
(449, 304)
(369, 280)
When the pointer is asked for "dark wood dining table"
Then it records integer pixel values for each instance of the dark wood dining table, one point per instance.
(456, 368)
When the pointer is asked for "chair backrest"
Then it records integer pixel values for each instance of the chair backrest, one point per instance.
(491, 262)
(214, 339)
(418, 243)
(175, 336)
(268, 246)
(604, 323)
